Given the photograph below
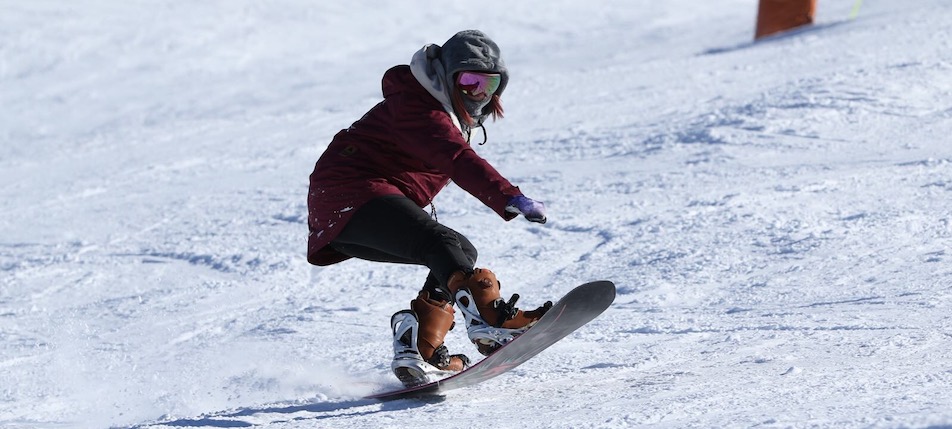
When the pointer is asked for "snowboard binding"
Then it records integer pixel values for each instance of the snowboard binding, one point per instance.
(491, 322)
(419, 355)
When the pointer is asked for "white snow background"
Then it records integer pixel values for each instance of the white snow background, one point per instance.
(776, 215)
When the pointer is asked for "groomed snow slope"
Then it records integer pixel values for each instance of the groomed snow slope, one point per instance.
(776, 215)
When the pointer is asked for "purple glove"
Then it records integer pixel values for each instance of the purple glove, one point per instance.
(534, 211)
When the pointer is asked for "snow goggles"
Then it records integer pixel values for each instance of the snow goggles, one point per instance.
(478, 85)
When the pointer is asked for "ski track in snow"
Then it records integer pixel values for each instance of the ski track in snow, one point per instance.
(775, 215)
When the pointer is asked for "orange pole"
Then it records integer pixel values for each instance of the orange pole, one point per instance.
(775, 16)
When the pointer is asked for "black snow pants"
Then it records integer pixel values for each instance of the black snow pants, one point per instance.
(394, 229)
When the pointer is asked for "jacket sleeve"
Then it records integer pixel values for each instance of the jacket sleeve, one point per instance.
(431, 136)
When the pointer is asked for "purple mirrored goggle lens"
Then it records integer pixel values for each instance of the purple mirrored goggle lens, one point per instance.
(476, 84)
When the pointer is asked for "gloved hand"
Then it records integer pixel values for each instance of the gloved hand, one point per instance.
(534, 211)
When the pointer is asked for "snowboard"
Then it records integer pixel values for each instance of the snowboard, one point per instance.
(575, 309)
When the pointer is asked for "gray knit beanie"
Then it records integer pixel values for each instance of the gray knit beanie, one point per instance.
(473, 50)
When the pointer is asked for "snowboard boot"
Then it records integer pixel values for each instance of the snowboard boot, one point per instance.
(491, 322)
(419, 355)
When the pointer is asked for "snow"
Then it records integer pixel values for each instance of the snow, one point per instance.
(776, 214)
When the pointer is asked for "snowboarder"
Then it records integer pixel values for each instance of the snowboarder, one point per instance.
(369, 189)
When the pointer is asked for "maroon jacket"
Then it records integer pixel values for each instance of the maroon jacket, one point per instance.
(405, 145)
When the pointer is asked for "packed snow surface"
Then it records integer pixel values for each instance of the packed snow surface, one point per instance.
(776, 215)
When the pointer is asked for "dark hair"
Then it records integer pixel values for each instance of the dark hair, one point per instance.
(494, 108)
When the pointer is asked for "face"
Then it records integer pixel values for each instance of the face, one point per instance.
(478, 86)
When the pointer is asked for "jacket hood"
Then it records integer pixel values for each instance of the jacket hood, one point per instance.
(429, 72)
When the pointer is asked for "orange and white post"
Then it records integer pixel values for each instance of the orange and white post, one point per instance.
(776, 16)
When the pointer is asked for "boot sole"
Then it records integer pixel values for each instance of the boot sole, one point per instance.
(410, 377)
(414, 372)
